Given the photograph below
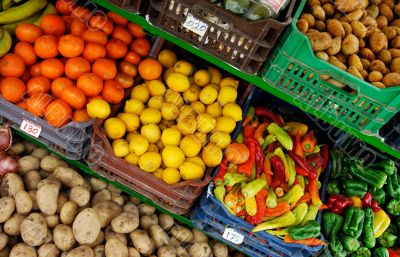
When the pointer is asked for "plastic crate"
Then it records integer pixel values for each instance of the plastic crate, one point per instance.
(391, 132)
(243, 44)
(295, 70)
(130, 5)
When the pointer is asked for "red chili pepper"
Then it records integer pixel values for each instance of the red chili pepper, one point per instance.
(259, 158)
(313, 189)
(337, 203)
(279, 171)
(263, 112)
(302, 163)
(272, 147)
(325, 156)
(258, 133)
(219, 178)
(308, 143)
(261, 197)
(375, 206)
(267, 170)
(248, 132)
(301, 171)
(367, 200)
(393, 253)
(315, 160)
(297, 145)
(247, 167)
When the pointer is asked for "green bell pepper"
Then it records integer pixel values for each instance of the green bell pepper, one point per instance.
(380, 252)
(388, 166)
(372, 177)
(354, 188)
(353, 222)
(368, 237)
(362, 252)
(387, 240)
(350, 243)
(337, 170)
(337, 247)
(333, 187)
(393, 207)
(309, 230)
(300, 212)
(393, 186)
(253, 187)
(392, 229)
(232, 179)
(332, 224)
(379, 195)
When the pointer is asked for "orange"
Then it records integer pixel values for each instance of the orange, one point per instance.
(37, 103)
(80, 116)
(101, 22)
(25, 50)
(95, 36)
(128, 68)
(116, 49)
(52, 24)
(93, 51)
(46, 47)
(34, 70)
(65, 7)
(38, 84)
(74, 96)
(150, 69)
(136, 30)
(58, 113)
(68, 21)
(105, 68)
(76, 66)
(22, 104)
(132, 57)
(12, 89)
(77, 27)
(141, 46)
(52, 68)
(90, 83)
(81, 13)
(70, 46)
(59, 85)
(112, 92)
(125, 80)
(27, 32)
(26, 76)
(117, 19)
(122, 34)
(12, 65)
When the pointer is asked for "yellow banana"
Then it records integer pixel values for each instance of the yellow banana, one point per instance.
(49, 9)
(22, 12)
(5, 42)
(12, 26)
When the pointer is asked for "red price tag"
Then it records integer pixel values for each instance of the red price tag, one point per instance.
(31, 128)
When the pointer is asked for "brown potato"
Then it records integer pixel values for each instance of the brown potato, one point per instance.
(395, 42)
(365, 63)
(335, 27)
(394, 53)
(318, 12)
(390, 32)
(395, 23)
(364, 74)
(377, 65)
(313, 2)
(34, 229)
(309, 18)
(353, 16)
(395, 65)
(350, 45)
(382, 21)
(329, 9)
(389, 3)
(373, 11)
(347, 28)
(359, 29)
(375, 76)
(322, 55)
(302, 25)
(354, 60)
(86, 226)
(337, 15)
(366, 53)
(378, 84)
(376, 2)
(319, 40)
(385, 56)
(391, 79)
(369, 22)
(363, 4)
(333, 60)
(346, 5)
(342, 58)
(397, 9)
(320, 26)
(377, 42)
(353, 71)
(335, 46)
(385, 71)
(386, 11)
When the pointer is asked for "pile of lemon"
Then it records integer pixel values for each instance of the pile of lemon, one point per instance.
(177, 126)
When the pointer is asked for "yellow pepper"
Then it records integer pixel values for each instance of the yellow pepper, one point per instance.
(381, 222)
(292, 127)
(356, 201)
(251, 205)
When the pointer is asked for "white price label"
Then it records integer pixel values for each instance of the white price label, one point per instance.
(31, 128)
(195, 25)
(233, 236)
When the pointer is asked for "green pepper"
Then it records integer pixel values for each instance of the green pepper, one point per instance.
(397, 222)
(333, 187)
(240, 138)
(332, 224)
(337, 169)
(268, 140)
(393, 207)
(253, 187)
(311, 213)
(379, 195)
(388, 166)
(271, 199)
(392, 229)
(380, 252)
(301, 181)
(300, 212)
(292, 170)
(281, 135)
(309, 230)
(362, 252)
(368, 237)
(353, 222)
(282, 221)
(354, 188)
(337, 247)
(219, 193)
(387, 240)
(293, 196)
(232, 179)
(350, 243)
(393, 186)
(372, 177)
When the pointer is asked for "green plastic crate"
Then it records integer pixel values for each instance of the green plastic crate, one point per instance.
(295, 70)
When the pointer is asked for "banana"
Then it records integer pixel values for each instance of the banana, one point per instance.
(22, 11)
(12, 26)
(5, 42)
(49, 9)
(6, 4)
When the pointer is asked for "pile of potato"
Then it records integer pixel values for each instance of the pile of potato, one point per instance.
(361, 37)
(48, 209)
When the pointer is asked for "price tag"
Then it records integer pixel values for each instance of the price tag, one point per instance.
(31, 128)
(195, 25)
(233, 236)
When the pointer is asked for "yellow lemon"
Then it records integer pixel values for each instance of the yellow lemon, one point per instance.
(168, 72)
(160, 145)
(174, 97)
(115, 128)
(167, 58)
(134, 106)
(138, 144)
(158, 173)
(172, 156)
(120, 147)
(214, 86)
(221, 139)
(150, 161)
(198, 106)
(227, 94)
(229, 81)
(190, 145)
(156, 87)
(186, 110)
(216, 75)
(169, 111)
(150, 115)
(178, 82)
(98, 108)
(233, 110)
(171, 136)
(205, 123)
(191, 171)
(202, 137)
(208, 95)
(151, 132)
(192, 94)
(155, 102)
(214, 109)
(187, 125)
(131, 120)
(212, 155)
(184, 67)
(171, 176)
(141, 92)
(202, 78)
(198, 161)
(132, 158)
(225, 124)
(129, 136)
(153, 148)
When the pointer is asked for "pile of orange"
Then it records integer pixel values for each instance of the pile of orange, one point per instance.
(57, 68)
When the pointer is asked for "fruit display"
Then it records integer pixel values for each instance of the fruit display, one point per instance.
(360, 37)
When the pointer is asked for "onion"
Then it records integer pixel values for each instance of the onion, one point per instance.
(7, 165)
(5, 137)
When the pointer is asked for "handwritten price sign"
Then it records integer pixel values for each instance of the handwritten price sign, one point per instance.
(31, 128)
(233, 236)
(195, 25)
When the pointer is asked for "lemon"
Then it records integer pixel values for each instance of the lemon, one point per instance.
(138, 144)
(134, 106)
(187, 125)
(151, 132)
(167, 58)
(201, 137)
(178, 82)
(115, 128)
(150, 115)
(208, 95)
(190, 146)
(160, 145)
(155, 102)
(227, 94)
(198, 106)
(225, 124)
(168, 72)
(158, 173)
(205, 123)
(214, 109)
(156, 87)
(150, 161)
(191, 171)
(192, 94)
(172, 156)
(129, 136)
(214, 86)
(202, 78)
(132, 158)
(186, 110)
(233, 110)
(229, 81)
(153, 148)
(131, 120)
(216, 75)
(171, 176)
(174, 97)
(141, 92)
(221, 139)
(120, 147)
(198, 161)
(184, 67)
(98, 108)
(169, 111)
(171, 136)
(212, 155)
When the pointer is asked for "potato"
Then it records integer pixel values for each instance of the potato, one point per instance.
(336, 83)
(318, 12)
(373, 11)
(363, 4)
(29, 147)
(17, 148)
(99, 251)
(335, 47)
(46, 196)
(386, 11)
(48, 250)
(309, 18)
(103, 195)
(319, 40)
(391, 79)
(32, 194)
(134, 200)
(147, 221)
(116, 248)
(378, 84)
(32, 179)
(49, 163)
(313, 2)
(107, 211)
(146, 210)
(183, 234)
(166, 251)
(385, 56)
(49, 237)
(68, 176)
(395, 42)
(117, 198)
(132, 252)
(28, 163)
(3, 241)
(97, 184)
(142, 242)
(44, 174)
(199, 237)
(395, 65)
(220, 250)
(395, 24)
(385, 71)
(81, 251)
(12, 226)
(181, 252)
(335, 27)
(109, 233)
(346, 5)
(367, 53)
(174, 242)
(130, 207)
(125, 222)
(86, 226)
(34, 229)
(390, 32)
(23, 250)
(347, 28)
(389, 3)
(158, 235)
(112, 188)
(333, 60)
(341, 58)
(39, 153)
(7, 207)
(353, 71)
(353, 16)
(354, 60)
(377, 65)
(369, 22)
(68, 212)
(364, 74)
(23, 202)
(329, 9)
(377, 41)
(80, 195)
(394, 53)
(63, 237)
(320, 26)
(52, 220)
(382, 21)
(350, 45)
(200, 250)
(366, 63)
(165, 221)
(375, 76)
(61, 200)
(359, 29)
(11, 184)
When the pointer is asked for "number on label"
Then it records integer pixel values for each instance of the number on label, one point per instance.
(195, 25)
(233, 236)
(31, 128)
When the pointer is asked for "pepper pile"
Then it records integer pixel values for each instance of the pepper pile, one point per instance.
(363, 200)
(269, 177)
